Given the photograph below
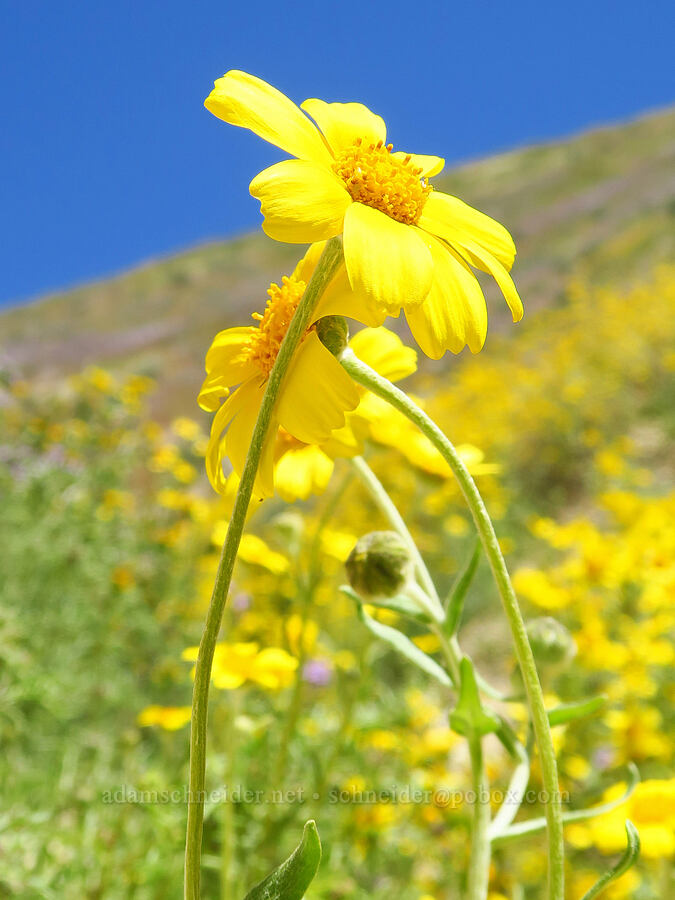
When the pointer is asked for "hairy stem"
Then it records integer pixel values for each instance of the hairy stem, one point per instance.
(479, 862)
(326, 268)
(365, 376)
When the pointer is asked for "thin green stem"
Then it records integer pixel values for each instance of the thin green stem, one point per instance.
(326, 268)
(479, 861)
(365, 376)
(227, 891)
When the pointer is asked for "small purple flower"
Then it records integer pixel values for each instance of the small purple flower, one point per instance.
(318, 672)
(241, 602)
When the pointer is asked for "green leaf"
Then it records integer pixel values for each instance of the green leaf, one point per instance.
(292, 878)
(454, 605)
(532, 826)
(398, 604)
(568, 712)
(404, 646)
(628, 859)
(469, 718)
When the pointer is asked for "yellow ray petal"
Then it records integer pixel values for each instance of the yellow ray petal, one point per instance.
(478, 256)
(213, 391)
(214, 451)
(301, 201)
(452, 219)
(385, 352)
(343, 441)
(240, 432)
(316, 394)
(249, 102)
(305, 267)
(344, 123)
(226, 346)
(454, 313)
(430, 165)
(385, 259)
(301, 472)
(340, 299)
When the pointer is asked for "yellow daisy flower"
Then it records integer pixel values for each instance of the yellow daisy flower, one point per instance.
(406, 245)
(316, 392)
(302, 469)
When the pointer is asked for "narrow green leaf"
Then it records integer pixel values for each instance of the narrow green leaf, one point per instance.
(532, 826)
(292, 878)
(469, 718)
(404, 646)
(399, 604)
(454, 604)
(568, 712)
(628, 859)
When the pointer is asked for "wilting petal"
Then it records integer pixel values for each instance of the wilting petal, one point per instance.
(386, 259)
(316, 394)
(385, 352)
(302, 202)
(430, 165)
(454, 313)
(453, 220)
(344, 123)
(247, 101)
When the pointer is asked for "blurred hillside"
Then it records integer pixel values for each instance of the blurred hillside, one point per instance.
(598, 206)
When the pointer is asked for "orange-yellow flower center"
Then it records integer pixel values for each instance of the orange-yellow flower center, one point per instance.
(265, 340)
(376, 178)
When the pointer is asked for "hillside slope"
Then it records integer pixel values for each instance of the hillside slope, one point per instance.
(599, 205)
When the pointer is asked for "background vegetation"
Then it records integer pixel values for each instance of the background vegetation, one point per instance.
(110, 539)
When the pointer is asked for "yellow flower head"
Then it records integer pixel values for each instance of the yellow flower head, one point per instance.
(406, 245)
(316, 393)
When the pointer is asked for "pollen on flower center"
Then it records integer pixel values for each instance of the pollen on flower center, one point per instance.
(375, 178)
(263, 345)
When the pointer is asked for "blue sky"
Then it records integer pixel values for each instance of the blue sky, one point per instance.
(108, 157)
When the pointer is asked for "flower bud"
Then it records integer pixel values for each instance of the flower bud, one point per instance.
(379, 565)
(333, 333)
(551, 642)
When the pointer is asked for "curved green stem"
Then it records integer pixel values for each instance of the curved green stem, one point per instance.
(479, 862)
(326, 268)
(365, 376)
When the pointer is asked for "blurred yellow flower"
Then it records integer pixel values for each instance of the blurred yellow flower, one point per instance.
(171, 718)
(651, 808)
(255, 551)
(406, 245)
(234, 664)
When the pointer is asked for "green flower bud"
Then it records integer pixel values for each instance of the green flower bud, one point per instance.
(551, 642)
(333, 333)
(379, 565)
